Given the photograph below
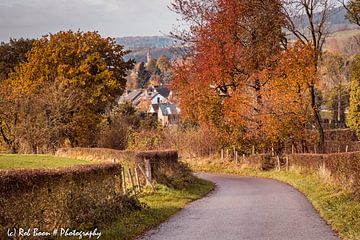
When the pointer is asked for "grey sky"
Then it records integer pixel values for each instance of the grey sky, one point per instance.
(115, 18)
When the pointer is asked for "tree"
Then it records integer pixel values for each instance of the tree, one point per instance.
(307, 20)
(142, 76)
(152, 67)
(353, 11)
(163, 63)
(219, 84)
(288, 107)
(12, 54)
(335, 76)
(353, 119)
(70, 79)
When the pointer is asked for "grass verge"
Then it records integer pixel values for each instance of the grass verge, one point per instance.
(26, 161)
(161, 204)
(336, 205)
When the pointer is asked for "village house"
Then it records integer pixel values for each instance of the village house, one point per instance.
(155, 101)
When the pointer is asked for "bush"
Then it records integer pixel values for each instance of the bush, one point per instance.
(81, 197)
(344, 168)
(164, 164)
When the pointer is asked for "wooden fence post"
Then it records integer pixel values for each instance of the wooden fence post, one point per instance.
(278, 163)
(253, 150)
(236, 157)
(132, 181)
(222, 154)
(287, 163)
(148, 170)
(292, 149)
(123, 177)
(347, 148)
(137, 179)
(147, 179)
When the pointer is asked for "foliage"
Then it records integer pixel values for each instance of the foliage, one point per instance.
(353, 119)
(335, 84)
(239, 81)
(152, 67)
(69, 80)
(142, 76)
(353, 11)
(288, 105)
(163, 63)
(12, 54)
(117, 128)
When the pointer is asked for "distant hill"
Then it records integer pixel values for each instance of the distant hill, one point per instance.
(158, 45)
(337, 21)
(134, 43)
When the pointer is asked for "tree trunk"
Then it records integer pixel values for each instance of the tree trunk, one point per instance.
(11, 144)
(317, 119)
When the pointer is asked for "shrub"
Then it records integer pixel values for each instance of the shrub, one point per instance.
(344, 168)
(164, 164)
(82, 197)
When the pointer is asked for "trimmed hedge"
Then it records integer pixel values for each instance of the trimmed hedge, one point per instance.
(340, 135)
(340, 146)
(165, 167)
(123, 157)
(81, 197)
(344, 168)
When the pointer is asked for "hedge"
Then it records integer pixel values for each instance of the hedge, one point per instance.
(342, 146)
(164, 165)
(344, 168)
(79, 197)
(340, 135)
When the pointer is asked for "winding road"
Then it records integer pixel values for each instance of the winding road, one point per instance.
(245, 208)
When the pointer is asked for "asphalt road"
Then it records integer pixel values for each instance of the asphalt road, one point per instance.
(246, 208)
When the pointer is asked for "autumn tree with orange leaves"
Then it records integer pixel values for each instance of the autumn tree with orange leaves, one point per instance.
(239, 78)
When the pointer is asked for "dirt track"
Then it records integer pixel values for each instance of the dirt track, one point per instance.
(246, 208)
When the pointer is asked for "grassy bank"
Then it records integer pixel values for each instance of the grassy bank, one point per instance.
(335, 204)
(21, 161)
(162, 204)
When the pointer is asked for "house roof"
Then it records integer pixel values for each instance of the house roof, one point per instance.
(168, 109)
(163, 91)
(134, 97)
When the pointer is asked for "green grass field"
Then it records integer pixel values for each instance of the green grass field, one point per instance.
(26, 161)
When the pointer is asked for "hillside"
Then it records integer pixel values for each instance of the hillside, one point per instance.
(134, 43)
(157, 45)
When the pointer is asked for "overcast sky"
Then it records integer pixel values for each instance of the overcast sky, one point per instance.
(115, 18)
